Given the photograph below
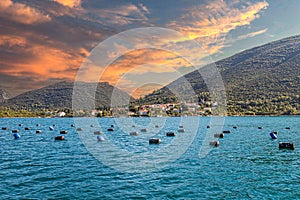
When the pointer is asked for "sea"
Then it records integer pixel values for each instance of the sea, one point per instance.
(247, 164)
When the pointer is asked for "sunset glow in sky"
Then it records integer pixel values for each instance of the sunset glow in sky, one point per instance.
(43, 42)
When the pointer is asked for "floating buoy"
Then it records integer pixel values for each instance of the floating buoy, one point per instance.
(112, 125)
(37, 125)
(156, 126)
(170, 134)
(235, 127)
(110, 129)
(100, 138)
(226, 131)
(260, 127)
(97, 132)
(92, 125)
(154, 141)
(53, 125)
(214, 143)
(16, 136)
(51, 128)
(27, 128)
(63, 132)
(275, 132)
(79, 129)
(286, 145)
(59, 138)
(219, 135)
(181, 130)
(133, 126)
(38, 131)
(72, 125)
(20, 124)
(207, 126)
(273, 135)
(4, 128)
(288, 128)
(143, 130)
(15, 131)
(134, 133)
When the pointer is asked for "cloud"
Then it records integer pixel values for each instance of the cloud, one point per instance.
(210, 24)
(21, 13)
(252, 34)
(124, 15)
(69, 3)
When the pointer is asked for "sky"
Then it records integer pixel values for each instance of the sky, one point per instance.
(47, 41)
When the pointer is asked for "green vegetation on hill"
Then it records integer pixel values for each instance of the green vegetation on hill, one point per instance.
(264, 80)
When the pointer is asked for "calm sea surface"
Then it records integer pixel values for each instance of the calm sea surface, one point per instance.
(247, 164)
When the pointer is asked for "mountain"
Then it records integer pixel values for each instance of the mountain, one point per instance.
(60, 96)
(261, 80)
(3, 95)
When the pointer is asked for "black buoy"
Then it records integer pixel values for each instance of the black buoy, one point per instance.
(154, 141)
(135, 133)
(219, 135)
(170, 134)
(181, 130)
(63, 132)
(97, 132)
(214, 143)
(226, 131)
(20, 124)
(59, 138)
(286, 145)
(207, 126)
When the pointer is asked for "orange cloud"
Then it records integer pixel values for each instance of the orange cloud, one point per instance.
(46, 61)
(69, 3)
(21, 13)
(210, 24)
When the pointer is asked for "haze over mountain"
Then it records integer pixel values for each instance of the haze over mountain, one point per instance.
(261, 80)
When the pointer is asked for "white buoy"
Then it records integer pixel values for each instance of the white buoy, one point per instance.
(100, 138)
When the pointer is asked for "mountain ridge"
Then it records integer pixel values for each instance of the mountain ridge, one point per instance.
(260, 80)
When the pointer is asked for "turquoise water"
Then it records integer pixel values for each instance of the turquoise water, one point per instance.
(247, 164)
